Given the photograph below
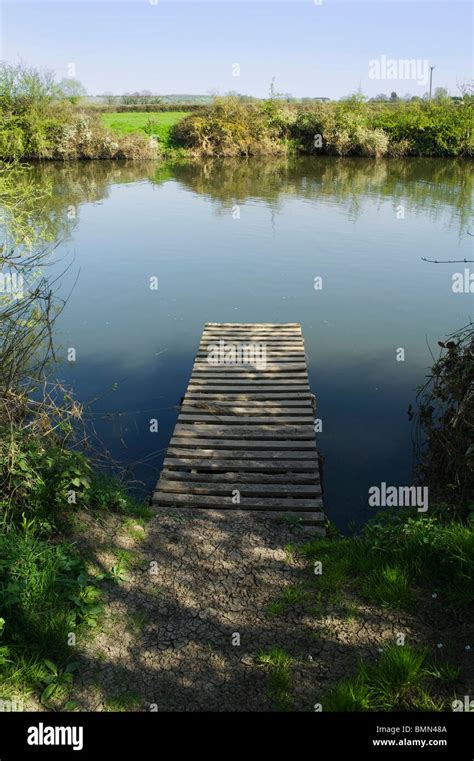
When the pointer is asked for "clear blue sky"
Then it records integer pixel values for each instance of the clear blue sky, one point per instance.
(189, 47)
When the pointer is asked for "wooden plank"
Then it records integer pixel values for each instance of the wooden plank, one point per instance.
(275, 503)
(275, 346)
(201, 408)
(241, 419)
(252, 325)
(269, 367)
(246, 477)
(257, 464)
(293, 406)
(176, 450)
(251, 387)
(236, 376)
(290, 396)
(282, 344)
(288, 432)
(255, 490)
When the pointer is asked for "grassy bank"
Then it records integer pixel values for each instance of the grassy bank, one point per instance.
(418, 569)
(158, 125)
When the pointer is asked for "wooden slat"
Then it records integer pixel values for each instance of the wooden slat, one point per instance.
(245, 388)
(257, 464)
(236, 374)
(202, 408)
(252, 478)
(288, 432)
(269, 367)
(290, 396)
(261, 490)
(257, 450)
(265, 404)
(246, 428)
(267, 503)
(241, 419)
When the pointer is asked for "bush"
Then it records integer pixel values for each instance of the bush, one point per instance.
(444, 441)
(229, 128)
(84, 136)
(353, 127)
(40, 481)
(39, 120)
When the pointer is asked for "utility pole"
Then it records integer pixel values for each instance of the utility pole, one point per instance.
(431, 78)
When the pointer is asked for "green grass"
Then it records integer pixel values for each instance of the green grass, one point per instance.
(157, 124)
(124, 701)
(278, 664)
(299, 594)
(395, 558)
(45, 596)
(399, 681)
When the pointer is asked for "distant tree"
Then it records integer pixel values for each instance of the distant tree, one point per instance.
(393, 96)
(22, 87)
(109, 98)
(71, 89)
(441, 93)
(381, 96)
(466, 88)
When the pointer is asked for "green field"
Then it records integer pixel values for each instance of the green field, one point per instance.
(158, 124)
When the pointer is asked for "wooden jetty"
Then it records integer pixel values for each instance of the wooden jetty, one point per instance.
(244, 438)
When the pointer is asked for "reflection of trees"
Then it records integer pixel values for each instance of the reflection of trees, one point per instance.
(61, 188)
(427, 185)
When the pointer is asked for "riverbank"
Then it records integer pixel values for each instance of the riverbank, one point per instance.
(40, 121)
(222, 610)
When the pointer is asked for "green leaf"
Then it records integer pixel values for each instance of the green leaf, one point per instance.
(48, 692)
(51, 666)
(71, 705)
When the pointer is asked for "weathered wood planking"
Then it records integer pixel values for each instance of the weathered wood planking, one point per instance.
(245, 428)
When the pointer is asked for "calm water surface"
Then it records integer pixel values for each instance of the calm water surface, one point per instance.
(243, 242)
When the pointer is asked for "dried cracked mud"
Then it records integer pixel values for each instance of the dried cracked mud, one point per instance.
(187, 617)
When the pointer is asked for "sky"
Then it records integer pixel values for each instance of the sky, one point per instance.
(312, 49)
